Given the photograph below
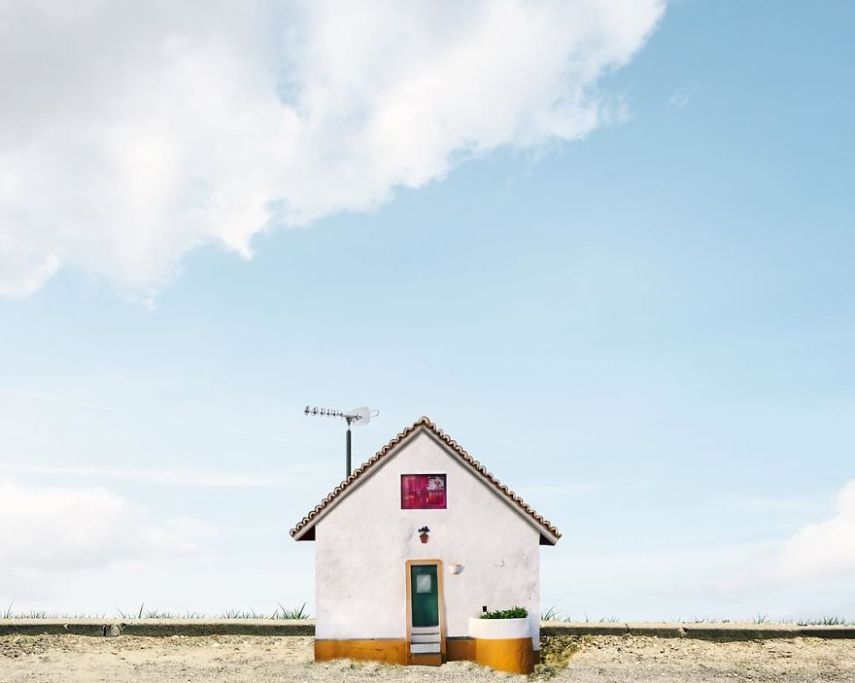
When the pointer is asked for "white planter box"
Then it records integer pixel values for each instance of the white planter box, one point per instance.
(498, 629)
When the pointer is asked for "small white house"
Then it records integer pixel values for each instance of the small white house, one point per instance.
(413, 547)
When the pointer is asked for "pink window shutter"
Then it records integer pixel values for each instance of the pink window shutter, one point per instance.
(413, 490)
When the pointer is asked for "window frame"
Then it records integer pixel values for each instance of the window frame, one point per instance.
(426, 476)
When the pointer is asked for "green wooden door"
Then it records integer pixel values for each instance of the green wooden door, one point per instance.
(424, 594)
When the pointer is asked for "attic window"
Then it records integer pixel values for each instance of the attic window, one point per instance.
(423, 492)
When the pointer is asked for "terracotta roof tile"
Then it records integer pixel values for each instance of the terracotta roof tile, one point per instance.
(425, 423)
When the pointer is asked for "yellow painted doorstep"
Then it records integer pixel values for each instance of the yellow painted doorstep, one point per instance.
(424, 659)
(379, 650)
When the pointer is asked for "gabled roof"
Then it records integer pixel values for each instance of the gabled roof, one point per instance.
(304, 530)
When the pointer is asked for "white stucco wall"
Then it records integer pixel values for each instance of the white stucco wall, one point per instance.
(363, 543)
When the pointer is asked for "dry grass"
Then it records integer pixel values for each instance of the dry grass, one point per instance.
(556, 653)
(281, 612)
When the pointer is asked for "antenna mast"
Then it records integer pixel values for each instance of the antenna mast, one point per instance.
(358, 416)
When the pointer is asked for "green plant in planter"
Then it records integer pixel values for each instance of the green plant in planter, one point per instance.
(512, 613)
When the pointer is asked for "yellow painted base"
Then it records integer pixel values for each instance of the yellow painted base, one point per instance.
(386, 651)
(513, 655)
(460, 649)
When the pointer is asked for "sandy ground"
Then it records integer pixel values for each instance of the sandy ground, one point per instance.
(246, 659)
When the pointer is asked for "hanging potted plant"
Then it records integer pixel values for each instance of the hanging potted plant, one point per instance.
(423, 534)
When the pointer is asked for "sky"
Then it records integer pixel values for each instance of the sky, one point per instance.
(606, 246)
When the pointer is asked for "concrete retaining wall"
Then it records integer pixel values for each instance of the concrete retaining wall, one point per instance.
(700, 631)
(282, 627)
(158, 627)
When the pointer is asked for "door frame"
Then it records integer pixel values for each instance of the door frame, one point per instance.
(440, 597)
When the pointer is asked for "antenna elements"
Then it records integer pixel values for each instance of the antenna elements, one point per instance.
(359, 416)
(323, 412)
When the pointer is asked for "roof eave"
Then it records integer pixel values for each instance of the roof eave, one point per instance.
(548, 539)
(307, 533)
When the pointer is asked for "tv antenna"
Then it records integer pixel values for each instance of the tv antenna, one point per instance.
(357, 416)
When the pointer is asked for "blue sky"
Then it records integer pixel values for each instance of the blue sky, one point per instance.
(645, 331)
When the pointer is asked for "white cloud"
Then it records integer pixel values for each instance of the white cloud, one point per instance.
(825, 548)
(805, 576)
(63, 528)
(131, 133)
